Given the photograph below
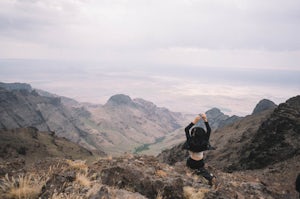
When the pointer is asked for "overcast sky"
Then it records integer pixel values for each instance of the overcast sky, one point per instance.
(186, 55)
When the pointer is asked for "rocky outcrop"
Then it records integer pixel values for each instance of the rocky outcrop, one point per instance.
(277, 139)
(263, 105)
(16, 86)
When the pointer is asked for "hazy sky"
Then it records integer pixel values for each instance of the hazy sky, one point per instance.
(186, 55)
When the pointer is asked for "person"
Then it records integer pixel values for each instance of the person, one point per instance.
(195, 160)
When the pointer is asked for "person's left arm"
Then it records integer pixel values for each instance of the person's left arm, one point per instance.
(187, 129)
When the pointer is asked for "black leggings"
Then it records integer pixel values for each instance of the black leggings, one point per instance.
(198, 166)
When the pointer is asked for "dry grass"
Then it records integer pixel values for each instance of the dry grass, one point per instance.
(159, 195)
(65, 196)
(24, 186)
(192, 193)
(83, 179)
(78, 164)
(54, 169)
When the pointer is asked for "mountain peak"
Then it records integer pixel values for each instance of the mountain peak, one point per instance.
(294, 102)
(214, 111)
(119, 99)
(263, 105)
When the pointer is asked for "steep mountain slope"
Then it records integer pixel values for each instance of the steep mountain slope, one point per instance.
(126, 124)
(259, 140)
(277, 139)
(24, 108)
(32, 145)
(230, 140)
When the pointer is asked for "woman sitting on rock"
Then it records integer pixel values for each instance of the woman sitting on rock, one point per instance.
(197, 142)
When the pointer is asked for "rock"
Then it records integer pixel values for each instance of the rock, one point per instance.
(16, 86)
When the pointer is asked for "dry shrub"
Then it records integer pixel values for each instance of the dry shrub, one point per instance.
(192, 193)
(78, 164)
(24, 186)
(83, 179)
(55, 169)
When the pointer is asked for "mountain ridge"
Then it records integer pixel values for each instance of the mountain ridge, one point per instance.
(121, 125)
(239, 173)
(118, 126)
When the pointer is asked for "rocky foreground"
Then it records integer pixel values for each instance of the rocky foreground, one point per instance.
(131, 176)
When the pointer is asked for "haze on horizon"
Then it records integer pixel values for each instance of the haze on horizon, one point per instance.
(186, 55)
